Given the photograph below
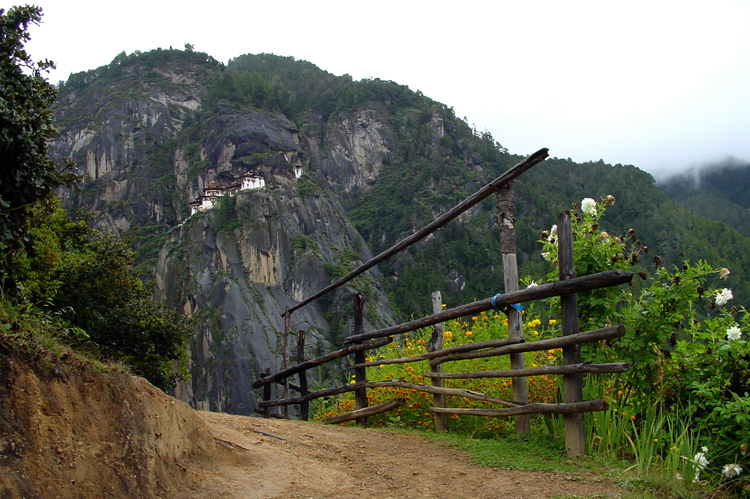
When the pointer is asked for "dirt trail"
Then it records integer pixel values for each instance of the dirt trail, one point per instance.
(76, 432)
(316, 461)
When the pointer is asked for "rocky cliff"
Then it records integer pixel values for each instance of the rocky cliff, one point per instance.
(148, 146)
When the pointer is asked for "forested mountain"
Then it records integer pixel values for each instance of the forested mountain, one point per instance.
(346, 169)
(720, 191)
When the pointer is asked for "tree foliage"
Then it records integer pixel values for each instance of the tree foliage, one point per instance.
(52, 264)
(88, 278)
(27, 173)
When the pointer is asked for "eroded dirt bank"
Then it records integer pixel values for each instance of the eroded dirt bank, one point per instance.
(75, 432)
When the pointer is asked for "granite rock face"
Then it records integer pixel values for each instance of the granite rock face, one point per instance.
(147, 147)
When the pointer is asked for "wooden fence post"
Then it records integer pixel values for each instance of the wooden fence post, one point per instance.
(267, 395)
(285, 356)
(575, 442)
(304, 408)
(360, 373)
(506, 222)
(435, 344)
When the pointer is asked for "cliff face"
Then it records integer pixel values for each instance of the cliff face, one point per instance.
(237, 283)
(148, 147)
(119, 126)
(360, 143)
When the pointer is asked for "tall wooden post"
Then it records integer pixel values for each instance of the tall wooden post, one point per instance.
(575, 442)
(304, 408)
(435, 344)
(360, 373)
(285, 356)
(267, 394)
(506, 221)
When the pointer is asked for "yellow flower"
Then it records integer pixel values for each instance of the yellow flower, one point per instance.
(475, 318)
(552, 322)
(469, 333)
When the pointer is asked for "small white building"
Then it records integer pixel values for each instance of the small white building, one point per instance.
(252, 181)
(207, 200)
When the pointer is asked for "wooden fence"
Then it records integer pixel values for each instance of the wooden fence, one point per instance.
(572, 407)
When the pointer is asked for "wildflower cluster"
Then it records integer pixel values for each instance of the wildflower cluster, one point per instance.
(416, 413)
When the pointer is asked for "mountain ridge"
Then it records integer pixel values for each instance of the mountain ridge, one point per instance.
(378, 161)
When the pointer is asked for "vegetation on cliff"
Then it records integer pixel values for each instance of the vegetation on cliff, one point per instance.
(76, 281)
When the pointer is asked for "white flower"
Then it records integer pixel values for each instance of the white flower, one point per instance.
(588, 205)
(732, 470)
(700, 459)
(532, 284)
(723, 296)
(552, 233)
(724, 273)
(734, 333)
(546, 255)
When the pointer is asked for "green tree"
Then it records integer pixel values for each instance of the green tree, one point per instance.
(88, 279)
(26, 172)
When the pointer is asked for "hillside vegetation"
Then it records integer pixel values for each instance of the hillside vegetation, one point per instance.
(718, 191)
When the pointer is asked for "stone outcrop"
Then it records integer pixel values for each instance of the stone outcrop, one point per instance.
(149, 150)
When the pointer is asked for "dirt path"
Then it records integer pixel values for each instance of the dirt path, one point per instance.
(316, 461)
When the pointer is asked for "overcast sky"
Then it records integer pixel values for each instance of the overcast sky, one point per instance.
(662, 85)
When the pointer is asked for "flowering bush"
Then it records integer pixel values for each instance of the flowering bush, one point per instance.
(688, 352)
(594, 251)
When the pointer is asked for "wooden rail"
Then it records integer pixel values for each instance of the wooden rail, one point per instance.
(309, 364)
(439, 222)
(567, 288)
(558, 288)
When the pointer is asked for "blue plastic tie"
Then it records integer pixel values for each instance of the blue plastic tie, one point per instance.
(516, 306)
